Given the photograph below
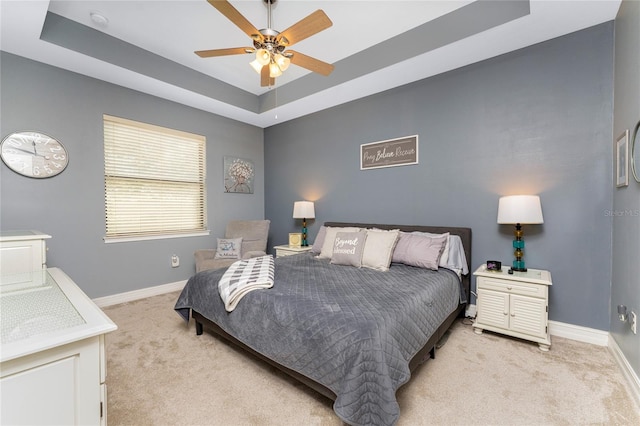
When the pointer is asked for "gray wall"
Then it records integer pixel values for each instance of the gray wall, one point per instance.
(535, 121)
(625, 283)
(70, 207)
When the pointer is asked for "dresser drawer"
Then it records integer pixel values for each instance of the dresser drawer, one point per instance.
(512, 287)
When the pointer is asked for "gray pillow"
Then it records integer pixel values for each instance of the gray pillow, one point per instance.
(348, 248)
(419, 250)
(228, 248)
(445, 253)
(319, 241)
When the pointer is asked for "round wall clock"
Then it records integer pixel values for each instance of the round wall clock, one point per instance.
(34, 154)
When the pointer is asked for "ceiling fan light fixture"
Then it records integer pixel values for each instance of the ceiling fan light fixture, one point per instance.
(269, 45)
(263, 56)
(274, 70)
(282, 61)
(256, 65)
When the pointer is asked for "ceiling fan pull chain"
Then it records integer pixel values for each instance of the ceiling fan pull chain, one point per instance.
(276, 106)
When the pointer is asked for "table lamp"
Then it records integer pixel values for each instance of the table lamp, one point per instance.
(518, 210)
(304, 210)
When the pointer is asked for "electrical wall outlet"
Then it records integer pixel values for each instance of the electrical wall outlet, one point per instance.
(633, 319)
(175, 261)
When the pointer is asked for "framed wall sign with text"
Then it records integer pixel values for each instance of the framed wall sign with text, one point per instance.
(389, 153)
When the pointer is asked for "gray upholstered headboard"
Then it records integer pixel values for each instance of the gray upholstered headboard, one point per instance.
(463, 233)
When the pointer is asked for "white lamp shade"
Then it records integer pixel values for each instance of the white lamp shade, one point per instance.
(256, 66)
(515, 209)
(274, 70)
(303, 210)
(263, 56)
(282, 61)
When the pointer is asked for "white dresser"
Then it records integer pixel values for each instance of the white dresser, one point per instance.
(52, 362)
(22, 251)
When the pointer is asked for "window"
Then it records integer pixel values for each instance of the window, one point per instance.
(154, 181)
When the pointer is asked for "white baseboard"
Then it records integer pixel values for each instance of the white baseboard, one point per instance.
(139, 294)
(632, 378)
(579, 333)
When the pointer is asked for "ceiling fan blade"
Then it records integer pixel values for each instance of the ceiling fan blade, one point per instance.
(310, 63)
(224, 52)
(265, 80)
(304, 28)
(236, 17)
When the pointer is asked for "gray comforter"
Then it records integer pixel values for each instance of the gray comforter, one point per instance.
(352, 330)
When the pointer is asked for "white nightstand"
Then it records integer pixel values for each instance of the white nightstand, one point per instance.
(514, 304)
(287, 250)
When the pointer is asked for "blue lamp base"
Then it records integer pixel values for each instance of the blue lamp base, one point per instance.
(518, 266)
(304, 233)
(518, 245)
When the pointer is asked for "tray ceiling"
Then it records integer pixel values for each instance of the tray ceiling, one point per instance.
(148, 45)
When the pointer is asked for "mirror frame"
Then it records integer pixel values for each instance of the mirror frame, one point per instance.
(635, 149)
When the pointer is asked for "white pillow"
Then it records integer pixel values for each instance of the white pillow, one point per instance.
(330, 238)
(378, 248)
(228, 248)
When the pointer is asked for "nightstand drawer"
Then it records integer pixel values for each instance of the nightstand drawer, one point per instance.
(512, 287)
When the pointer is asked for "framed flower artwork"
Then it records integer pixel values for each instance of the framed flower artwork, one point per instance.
(238, 175)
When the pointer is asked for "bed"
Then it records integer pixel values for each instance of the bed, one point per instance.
(352, 334)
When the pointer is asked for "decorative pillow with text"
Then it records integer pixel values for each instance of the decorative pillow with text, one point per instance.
(330, 237)
(348, 248)
(228, 248)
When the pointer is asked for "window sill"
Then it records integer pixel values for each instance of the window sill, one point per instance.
(110, 240)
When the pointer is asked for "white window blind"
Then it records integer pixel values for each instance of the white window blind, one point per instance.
(154, 180)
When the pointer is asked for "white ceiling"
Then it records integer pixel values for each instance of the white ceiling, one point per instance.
(173, 30)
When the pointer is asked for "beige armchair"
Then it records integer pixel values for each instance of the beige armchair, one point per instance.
(254, 235)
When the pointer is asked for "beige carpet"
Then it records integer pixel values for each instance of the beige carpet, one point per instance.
(160, 373)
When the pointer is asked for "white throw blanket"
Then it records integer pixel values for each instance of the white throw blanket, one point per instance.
(244, 276)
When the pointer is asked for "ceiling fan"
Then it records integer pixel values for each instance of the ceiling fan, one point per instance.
(271, 46)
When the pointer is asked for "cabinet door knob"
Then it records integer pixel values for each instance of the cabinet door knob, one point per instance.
(509, 288)
(513, 315)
